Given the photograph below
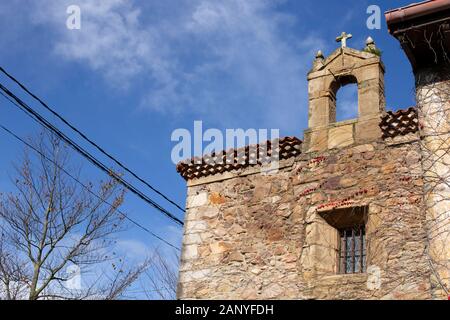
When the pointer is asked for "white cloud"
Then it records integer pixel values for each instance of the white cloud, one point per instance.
(133, 249)
(111, 40)
(202, 57)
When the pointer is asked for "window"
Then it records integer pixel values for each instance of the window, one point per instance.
(344, 236)
(344, 96)
(352, 250)
(347, 102)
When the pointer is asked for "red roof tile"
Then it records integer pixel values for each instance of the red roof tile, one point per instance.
(398, 123)
(234, 159)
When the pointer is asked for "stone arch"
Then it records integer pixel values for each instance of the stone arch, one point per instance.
(337, 84)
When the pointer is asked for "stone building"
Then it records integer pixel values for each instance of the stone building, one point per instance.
(357, 210)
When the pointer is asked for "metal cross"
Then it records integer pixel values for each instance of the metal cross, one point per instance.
(343, 39)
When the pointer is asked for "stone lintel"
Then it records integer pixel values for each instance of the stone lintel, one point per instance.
(344, 70)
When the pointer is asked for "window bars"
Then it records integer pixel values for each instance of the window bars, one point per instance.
(352, 250)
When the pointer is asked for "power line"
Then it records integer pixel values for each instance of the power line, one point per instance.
(16, 101)
(89, 140)
(86, 187)
(38, 118)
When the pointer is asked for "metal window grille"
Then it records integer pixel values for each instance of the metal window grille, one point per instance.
(352, 250)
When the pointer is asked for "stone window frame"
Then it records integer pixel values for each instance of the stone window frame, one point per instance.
(337, 219)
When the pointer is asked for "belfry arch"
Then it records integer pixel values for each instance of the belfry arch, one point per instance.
(335, 88)
(344, 66)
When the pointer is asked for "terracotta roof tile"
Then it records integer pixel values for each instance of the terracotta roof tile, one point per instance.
(400, 122)
(235, 159)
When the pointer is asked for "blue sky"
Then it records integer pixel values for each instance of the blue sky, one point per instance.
(137, 70)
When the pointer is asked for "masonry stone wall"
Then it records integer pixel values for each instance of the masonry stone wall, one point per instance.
(253, 236)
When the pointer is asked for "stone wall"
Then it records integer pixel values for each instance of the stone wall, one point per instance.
(254, 236)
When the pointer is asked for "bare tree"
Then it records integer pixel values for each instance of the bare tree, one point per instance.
(52, 223)
(161, 278)
(12, 273)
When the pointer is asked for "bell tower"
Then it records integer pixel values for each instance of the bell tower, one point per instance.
(344, 66)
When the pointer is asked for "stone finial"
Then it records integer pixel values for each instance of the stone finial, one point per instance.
(319, 55)
(371, 47)
(369, 41)
(318, 61)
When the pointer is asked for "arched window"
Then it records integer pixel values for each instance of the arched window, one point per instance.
(347, 102)
(345, 98)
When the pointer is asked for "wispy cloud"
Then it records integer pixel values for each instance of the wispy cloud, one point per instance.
(111, 41)
(133, 249)
(230, 59)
